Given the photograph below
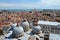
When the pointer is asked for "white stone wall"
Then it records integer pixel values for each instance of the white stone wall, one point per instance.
(50, 28)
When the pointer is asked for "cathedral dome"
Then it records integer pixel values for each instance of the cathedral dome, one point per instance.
(25, 25)
(14, 25)
(18, 30)
(30, 24)
(36, 29)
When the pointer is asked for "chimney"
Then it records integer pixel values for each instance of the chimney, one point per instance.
(46, 36)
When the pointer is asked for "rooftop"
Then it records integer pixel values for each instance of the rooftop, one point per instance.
(49, 23)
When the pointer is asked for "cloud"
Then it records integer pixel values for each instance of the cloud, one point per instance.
(50, 2)
(42, 4)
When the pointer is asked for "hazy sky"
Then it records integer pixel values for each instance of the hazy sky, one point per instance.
(29, 4)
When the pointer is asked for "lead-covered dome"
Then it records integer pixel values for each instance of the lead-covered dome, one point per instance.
(30, 24)
(36, 29)
(25, 25)
(14, 25)
(18, 30)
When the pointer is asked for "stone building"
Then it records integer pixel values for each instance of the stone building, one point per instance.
(53, 27)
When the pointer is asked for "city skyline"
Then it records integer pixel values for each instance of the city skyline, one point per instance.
(29, 4)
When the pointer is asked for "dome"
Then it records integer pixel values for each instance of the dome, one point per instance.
(25, 25)
(18, 30)
(36, 29)
(14, 24)
(30, 24)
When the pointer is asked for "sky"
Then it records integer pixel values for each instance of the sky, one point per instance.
(29, 4)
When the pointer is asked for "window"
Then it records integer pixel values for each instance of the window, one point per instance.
(58, 28)
(43, 26)
(48, 27)
(55, 28)
(52, 28)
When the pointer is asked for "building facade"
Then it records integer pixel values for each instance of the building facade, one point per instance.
(52, 27)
